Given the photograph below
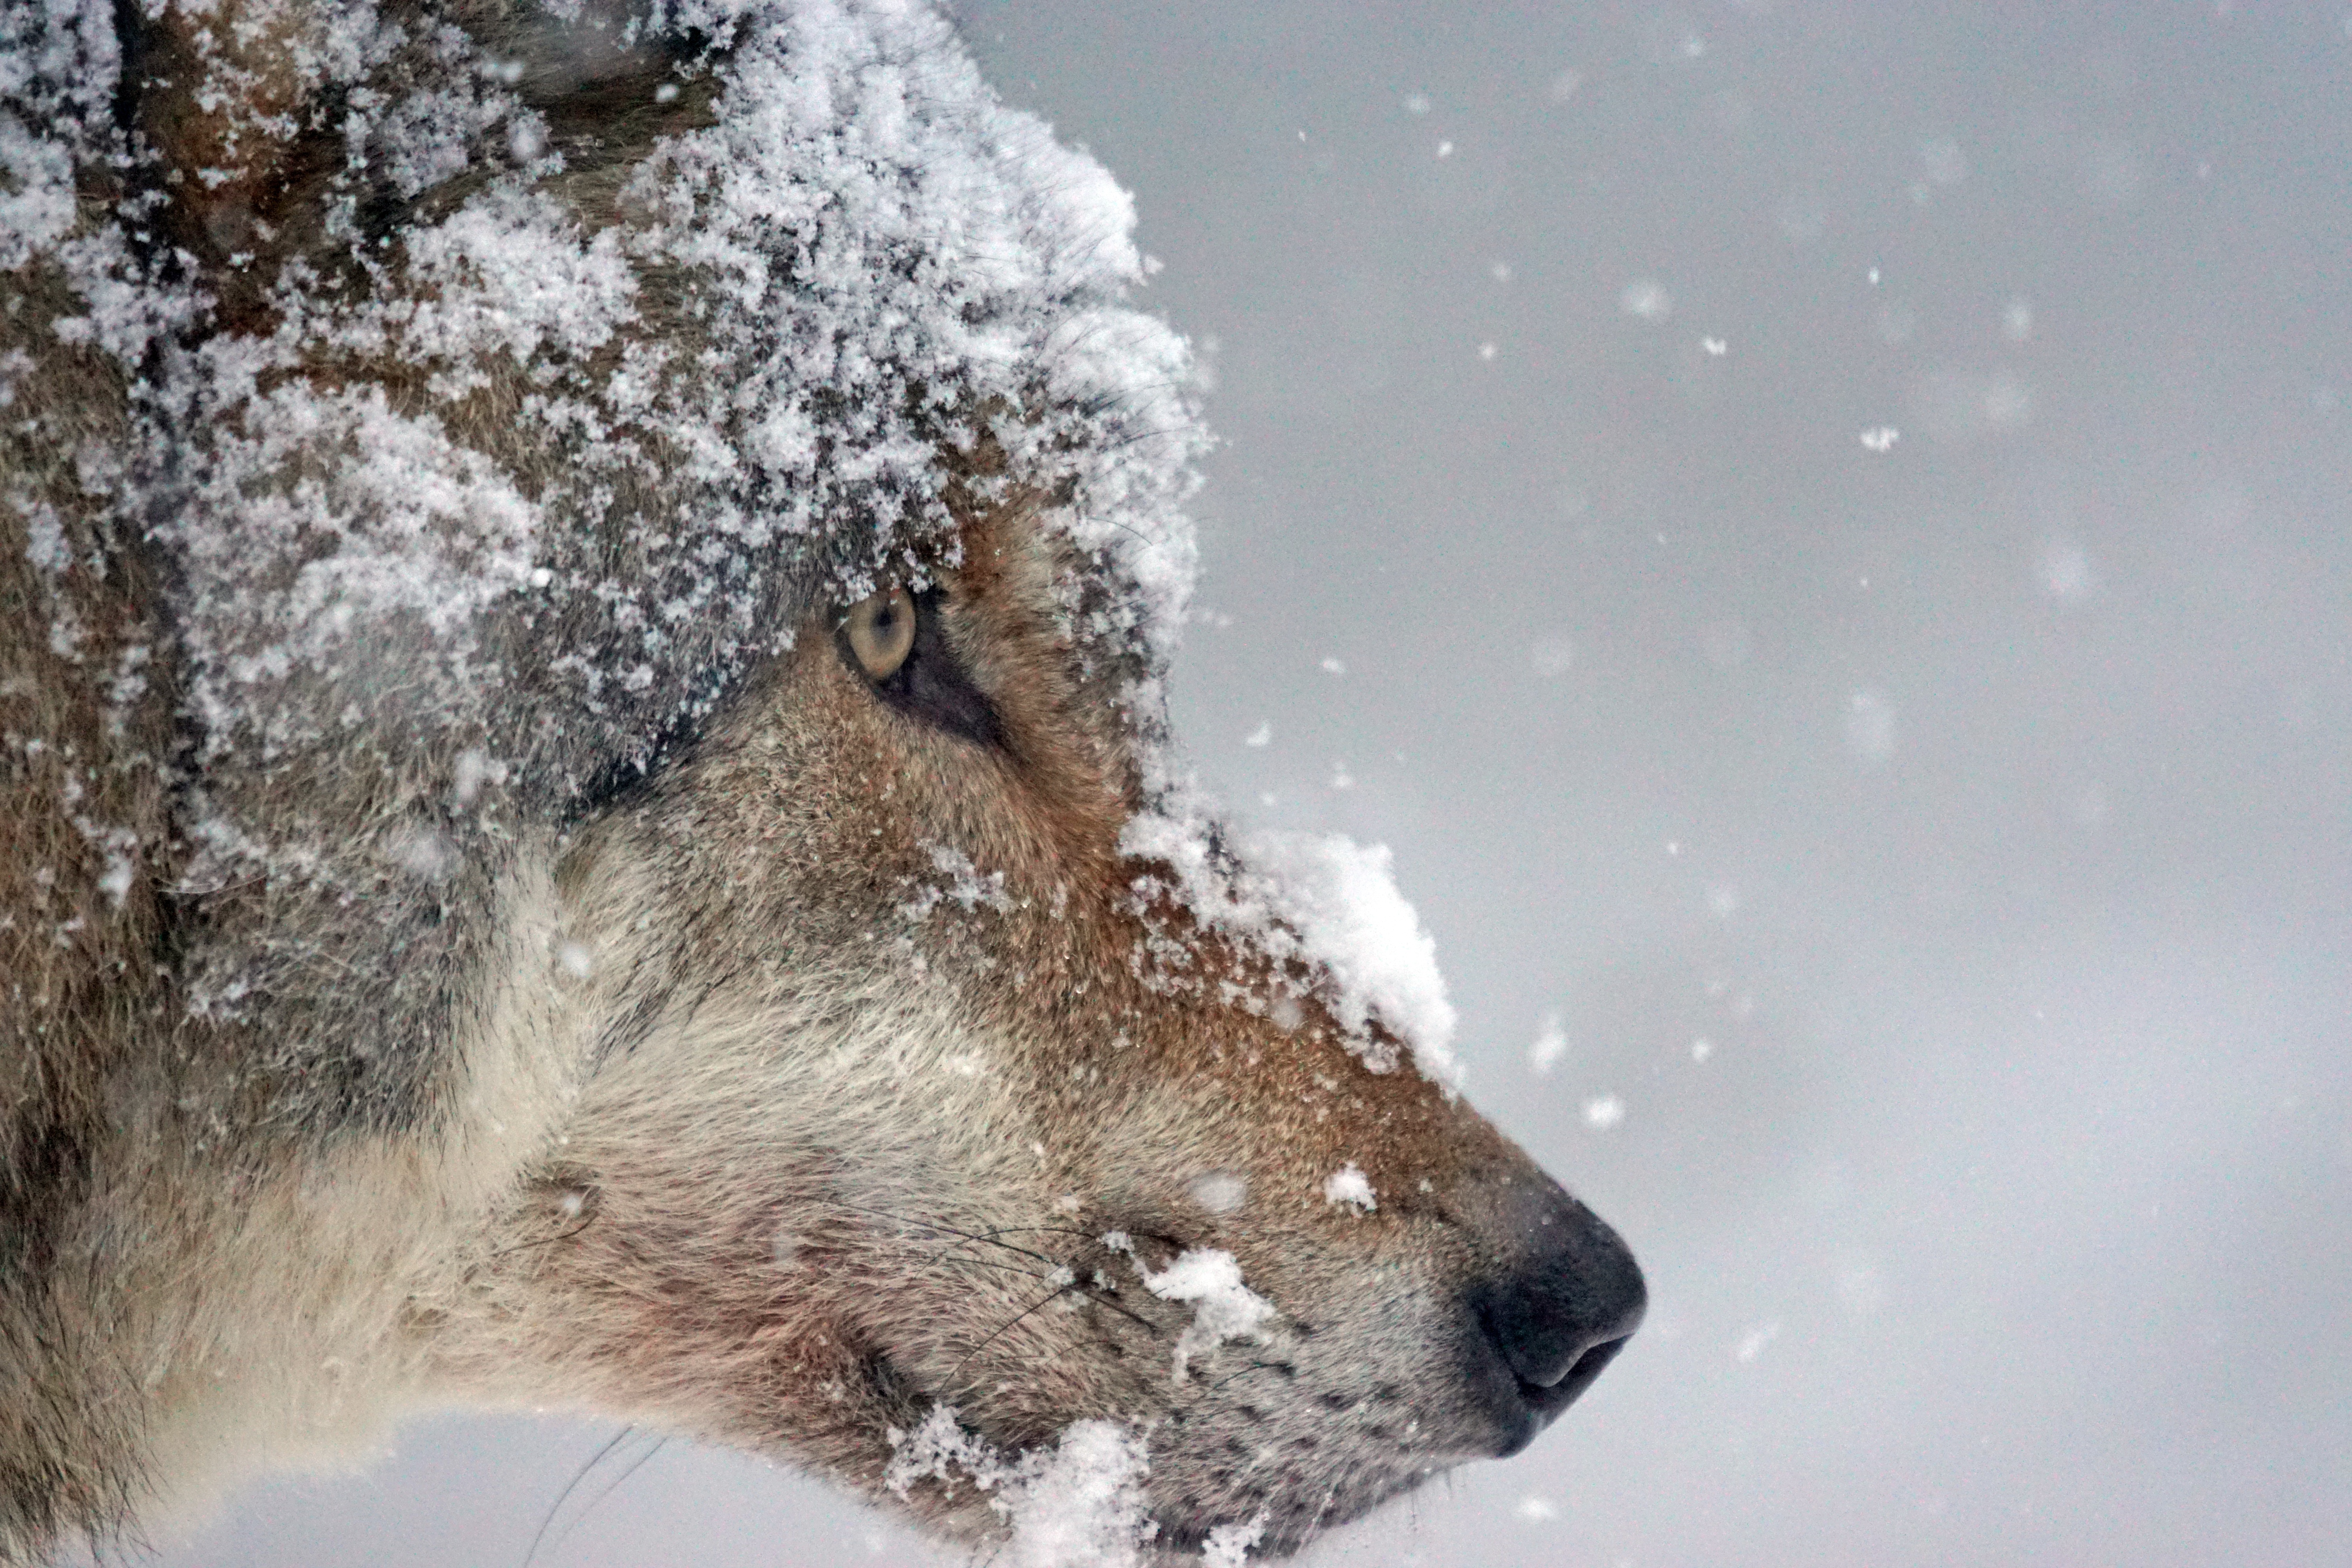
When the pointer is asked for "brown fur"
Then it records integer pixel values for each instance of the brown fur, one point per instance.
(752, 1058)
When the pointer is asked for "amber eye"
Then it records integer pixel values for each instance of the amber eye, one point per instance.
(882, 632)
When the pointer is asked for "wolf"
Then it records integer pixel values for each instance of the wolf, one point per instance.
(589, 820)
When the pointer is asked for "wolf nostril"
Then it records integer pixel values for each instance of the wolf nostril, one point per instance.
(1546, 1320)
(1563, 1306)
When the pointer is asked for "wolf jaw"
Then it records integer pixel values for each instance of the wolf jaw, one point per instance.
(478, 930)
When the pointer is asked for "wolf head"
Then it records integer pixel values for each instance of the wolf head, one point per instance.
(619, 848)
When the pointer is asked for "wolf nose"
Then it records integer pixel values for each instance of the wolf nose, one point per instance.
(1563, 1304)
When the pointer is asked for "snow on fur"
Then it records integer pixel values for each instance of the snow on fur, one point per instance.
(1078, 1506)
(1321, 899)
(1349, 1185)
(895, 243)
(467, 509)
(1210, 1282)
(1228, 1545)
(882, 265)
(57, 66)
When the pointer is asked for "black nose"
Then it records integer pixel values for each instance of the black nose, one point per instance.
(1563, 1298)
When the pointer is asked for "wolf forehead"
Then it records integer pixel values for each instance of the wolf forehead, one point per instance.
(504, 386)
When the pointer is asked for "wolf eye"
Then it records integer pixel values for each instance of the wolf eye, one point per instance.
(897, 641)
(881, 632)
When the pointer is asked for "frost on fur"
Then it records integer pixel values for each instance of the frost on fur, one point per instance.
(542, 466)
(960, 883)
(1228, 1545)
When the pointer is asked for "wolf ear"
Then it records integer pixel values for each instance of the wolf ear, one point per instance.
(287, 129)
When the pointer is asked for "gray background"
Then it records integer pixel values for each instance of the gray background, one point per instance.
(1979, 802)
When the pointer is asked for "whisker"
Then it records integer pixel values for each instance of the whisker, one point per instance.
(1147, 1326)
(1087, 1289)
(1322, 1510)
(618, 1481)
(943, 1229)
(1100, 1296)
(1132, 437)
(578, 1476)
(1243, 1372)
(1002, 1328)
(1013, 1268)
(990, 1236)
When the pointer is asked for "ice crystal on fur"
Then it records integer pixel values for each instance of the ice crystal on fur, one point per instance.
(465, 919)
(57, 62)
(590, 524)
(1082, 1506)
(962, 885)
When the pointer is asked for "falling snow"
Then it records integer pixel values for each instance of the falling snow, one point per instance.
(1550, 1045)
(1220, 1192)
(1646, 300)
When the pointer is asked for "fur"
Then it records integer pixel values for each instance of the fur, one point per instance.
(471, 932)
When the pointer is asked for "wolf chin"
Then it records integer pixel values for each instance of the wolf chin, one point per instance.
(589, 822)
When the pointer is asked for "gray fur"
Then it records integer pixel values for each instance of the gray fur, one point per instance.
(470, 934)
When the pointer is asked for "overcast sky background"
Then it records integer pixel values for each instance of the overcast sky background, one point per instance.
(1834, 518)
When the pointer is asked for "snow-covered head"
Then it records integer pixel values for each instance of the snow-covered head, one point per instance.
(664, 524)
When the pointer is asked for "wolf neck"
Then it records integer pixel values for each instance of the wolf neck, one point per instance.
(275, 1312)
